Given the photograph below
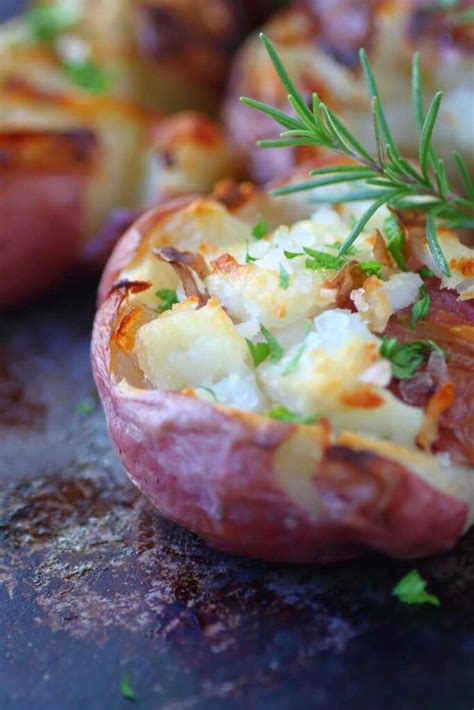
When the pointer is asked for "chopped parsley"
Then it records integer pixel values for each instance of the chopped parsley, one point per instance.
(411, 589)
(249, 259)
(87, 75)
(337, 245)
(260, 229)
(322, 260)
(168, 299)
(292, 254)
(371, 268)
(421, 308)
(406, 358)
(294, 362)
(284, 278)
(126, 688)
(396, 241)
(46, 23)
(425, 273)
(86, 406)
(275, 349)
(258, 351)
(283, 414)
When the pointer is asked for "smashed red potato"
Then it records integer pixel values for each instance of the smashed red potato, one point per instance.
(80, 156)
(263, 447)
(81, 172)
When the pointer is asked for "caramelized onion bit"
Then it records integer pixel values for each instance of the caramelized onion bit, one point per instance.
(190, 268)
(350, 277)
(130, 286)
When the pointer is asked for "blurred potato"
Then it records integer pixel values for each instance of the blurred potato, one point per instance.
(319, 42)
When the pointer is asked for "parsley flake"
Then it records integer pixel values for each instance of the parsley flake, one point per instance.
(168, 298)
(283, 414)
(284, 278)
(275, 349)
(46, 23)
(292, 254)
(86, 406)
(371, 268)
(258, 351)
(337, 245)
(322, 260)
(294, 362)
(249, 259)
(396, 241)
(411, 589)
(425, 273)
(420, 308)
(406, 358)
(126, 688)
(87, 75)
(260, 229)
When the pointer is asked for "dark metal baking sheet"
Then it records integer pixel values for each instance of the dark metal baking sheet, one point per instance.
(94, 584)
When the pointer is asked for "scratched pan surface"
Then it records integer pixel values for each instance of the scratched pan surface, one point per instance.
(94, 584)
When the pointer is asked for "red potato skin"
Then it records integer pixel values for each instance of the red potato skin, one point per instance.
(214, 470)
(43, 181)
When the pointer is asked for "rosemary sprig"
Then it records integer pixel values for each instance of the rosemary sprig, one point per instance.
(386, 178)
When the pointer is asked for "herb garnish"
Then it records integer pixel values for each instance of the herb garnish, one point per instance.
(168, 298)
(406, 358)
(275, 349)
(126, 688)
(46, 23)
(86, 406)
(389, 178)
(411, 589)
(260, 229)
(283, 278)
(395, 241)
(87, 75)
(372, 268)
(260, 351)
(283, 414)
(249, 259)
(295, 361)
(421, 308)
(321, 260)
(425, 273)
